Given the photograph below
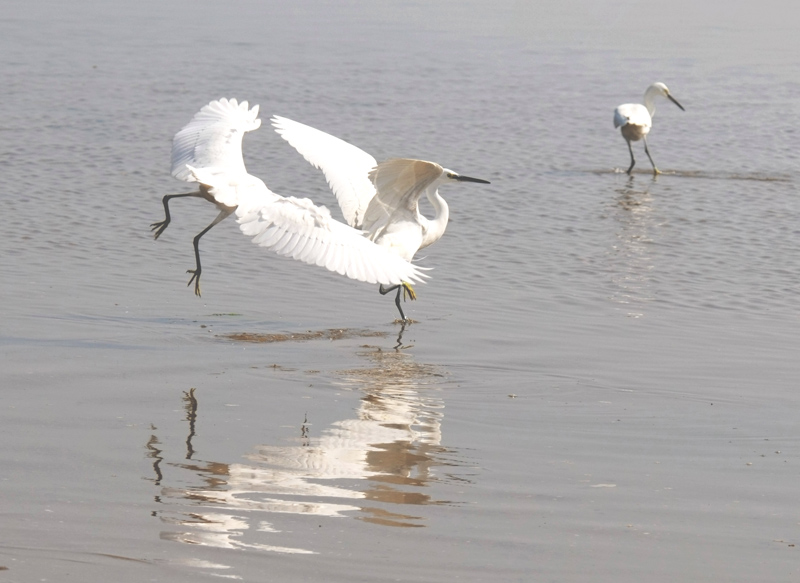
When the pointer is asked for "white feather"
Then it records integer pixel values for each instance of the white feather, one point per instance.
(299, 229)
(213, 138)
(208, 150)
(382, 200)
(345, 166)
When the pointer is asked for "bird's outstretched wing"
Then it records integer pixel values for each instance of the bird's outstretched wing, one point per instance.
(296, 228)
(213, 139)
(345, 166)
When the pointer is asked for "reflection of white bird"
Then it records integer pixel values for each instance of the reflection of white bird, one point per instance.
(208, 150)
(382, 200)
(636, 119)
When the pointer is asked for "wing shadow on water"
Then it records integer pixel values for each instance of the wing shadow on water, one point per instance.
(630, 255)
(372, 467)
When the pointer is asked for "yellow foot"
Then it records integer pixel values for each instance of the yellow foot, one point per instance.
(196, 279)
(656, 171)
(407, 289)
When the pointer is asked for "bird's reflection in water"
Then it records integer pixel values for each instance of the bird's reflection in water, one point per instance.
(367, 466)
(630, 255)
(398, 431)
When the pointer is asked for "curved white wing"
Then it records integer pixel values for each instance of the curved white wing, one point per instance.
(213, 139)
(633, 113)
(345, 166)
(297, 228)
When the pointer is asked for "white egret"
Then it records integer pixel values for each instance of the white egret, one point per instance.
(382, 200)
(635, 120)
(208, 150)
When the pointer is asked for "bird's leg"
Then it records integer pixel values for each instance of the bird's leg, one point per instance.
(646, 151)
(397, 303)
(162, 225)
(633, 162)
(386, 290)
(406, 289)
(198, 270)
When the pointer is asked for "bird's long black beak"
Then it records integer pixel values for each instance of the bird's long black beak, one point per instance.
(470, 179)
(675, 101)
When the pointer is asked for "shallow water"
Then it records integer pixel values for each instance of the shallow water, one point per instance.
(601, 381)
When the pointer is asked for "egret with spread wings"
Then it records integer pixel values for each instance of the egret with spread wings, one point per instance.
(208, 151)
(379, 199)
(635, 119)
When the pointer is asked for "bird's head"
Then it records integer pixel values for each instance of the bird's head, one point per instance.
(403, 175)
(450, 175)
(663, 91)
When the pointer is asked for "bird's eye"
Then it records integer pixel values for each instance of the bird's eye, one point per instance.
(451, 175)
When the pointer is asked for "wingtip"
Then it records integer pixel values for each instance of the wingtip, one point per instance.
(279, 123)
(242, 106)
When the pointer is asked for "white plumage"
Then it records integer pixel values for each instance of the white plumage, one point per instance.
(345, 166)
(380, 199)
(299, 229)
(213, 139)
(208, 150)
(635, 119)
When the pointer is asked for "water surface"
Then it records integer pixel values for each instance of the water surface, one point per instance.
(601, 381)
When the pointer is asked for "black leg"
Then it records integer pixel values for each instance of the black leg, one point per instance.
(633, 162)
(196, 272)
(646, 151)
(386, 290)
(397, 303)
(404, 288)
(162, 225)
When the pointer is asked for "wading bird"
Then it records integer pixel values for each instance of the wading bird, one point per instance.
(208, 150)
(635, 120)
(380, 200)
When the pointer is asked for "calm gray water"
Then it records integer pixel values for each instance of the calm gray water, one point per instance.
(602, 383)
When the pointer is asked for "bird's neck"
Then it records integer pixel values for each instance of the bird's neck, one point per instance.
(650, 100)
(434, 229)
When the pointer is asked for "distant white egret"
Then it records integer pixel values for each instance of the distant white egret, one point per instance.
(380, 200)
(208, 150)
(635, 120)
